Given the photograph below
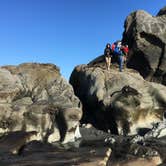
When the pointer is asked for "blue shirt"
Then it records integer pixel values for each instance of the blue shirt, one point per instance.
(117, 51)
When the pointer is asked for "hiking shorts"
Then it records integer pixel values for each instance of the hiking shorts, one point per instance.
(108, 55)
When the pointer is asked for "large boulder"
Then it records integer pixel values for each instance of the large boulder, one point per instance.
(122, 102)
(34, 97)
(146, 37)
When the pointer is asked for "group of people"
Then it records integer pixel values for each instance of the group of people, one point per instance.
(116, 50)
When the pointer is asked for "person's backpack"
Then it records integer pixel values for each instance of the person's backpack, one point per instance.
(113, 46)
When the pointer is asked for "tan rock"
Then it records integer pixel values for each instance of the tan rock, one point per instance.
(120, 101)
(33, 97)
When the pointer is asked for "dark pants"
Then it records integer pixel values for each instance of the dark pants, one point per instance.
(121, 60)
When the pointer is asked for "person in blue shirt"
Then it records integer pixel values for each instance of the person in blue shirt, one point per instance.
(119, 53)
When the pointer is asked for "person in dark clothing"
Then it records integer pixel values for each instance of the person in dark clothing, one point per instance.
(108, 55)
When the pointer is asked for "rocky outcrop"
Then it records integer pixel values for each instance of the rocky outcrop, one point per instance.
(90, 150)
(146, 37)
(95, 148)
(34, 97)
(122, 102)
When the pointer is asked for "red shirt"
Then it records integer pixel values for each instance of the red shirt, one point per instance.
(126, 49)
(113, 47)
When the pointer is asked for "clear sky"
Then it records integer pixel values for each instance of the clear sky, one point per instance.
(64, 32)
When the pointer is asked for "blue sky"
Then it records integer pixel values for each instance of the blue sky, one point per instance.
(64, 32)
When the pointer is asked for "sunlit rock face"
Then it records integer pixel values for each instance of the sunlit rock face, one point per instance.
(35, 97)
(146, 36)
(122, 102)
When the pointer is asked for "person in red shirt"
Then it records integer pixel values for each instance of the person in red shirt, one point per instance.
(125, 51)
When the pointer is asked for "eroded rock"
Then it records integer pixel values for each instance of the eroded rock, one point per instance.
(34, 97)
(120, 101)
(146, 37)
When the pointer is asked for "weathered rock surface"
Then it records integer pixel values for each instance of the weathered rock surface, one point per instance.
(36, 103)
(89, 151)
(120, 101)
(34, 97)
(95, 148)
(146, 36)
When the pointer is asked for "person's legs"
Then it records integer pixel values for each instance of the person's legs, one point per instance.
(125, 58)
(120, 63)
(109, 62)
(107, 59)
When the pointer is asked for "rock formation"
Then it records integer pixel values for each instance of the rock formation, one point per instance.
(122, 102)
(36, 103)
(146, 37)
(95, 148)
(34, 97)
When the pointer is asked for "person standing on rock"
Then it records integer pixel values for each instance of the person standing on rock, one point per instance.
(125, 51)
(108, 55)
(118, 51)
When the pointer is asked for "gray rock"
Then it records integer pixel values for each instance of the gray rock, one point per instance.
(146, 37)
(34, 97)
(120, 101)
